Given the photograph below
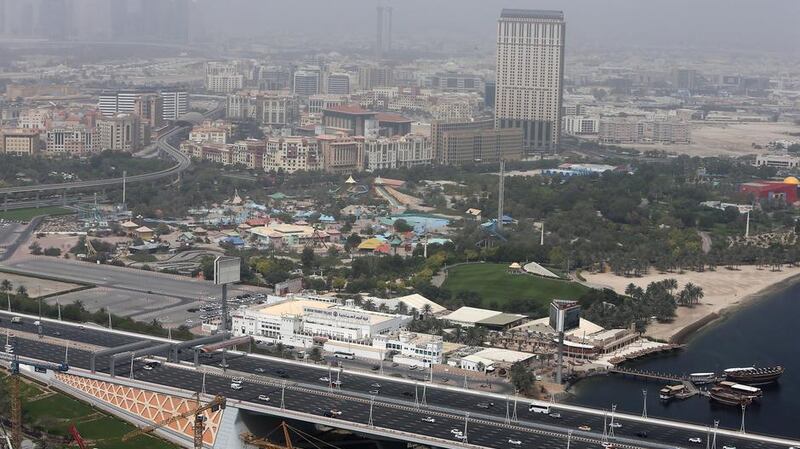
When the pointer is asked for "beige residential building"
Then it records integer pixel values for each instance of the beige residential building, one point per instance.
(23, 142)
(530, 73)
(73, 140)
(399, 151)
(291, 154)
(119, 133)
(473, 146)
(341, 154)
(210, 134)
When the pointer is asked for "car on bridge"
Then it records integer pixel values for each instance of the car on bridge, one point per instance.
(263, 398)
(515, 442)
(429, 419)
(696, 440)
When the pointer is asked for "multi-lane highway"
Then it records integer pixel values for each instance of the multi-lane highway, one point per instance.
(395, 399)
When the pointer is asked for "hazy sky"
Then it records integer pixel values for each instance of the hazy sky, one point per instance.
(749, 24)
(761, 25)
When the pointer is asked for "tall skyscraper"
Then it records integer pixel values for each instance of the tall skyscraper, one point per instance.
(2, 17)
(383, 42)
(530, 74)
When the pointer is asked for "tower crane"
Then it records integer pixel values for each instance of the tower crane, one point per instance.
(16, 405)
(199, 421)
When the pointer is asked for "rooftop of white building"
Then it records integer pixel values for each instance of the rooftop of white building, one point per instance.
(290, 307)
(542, 325)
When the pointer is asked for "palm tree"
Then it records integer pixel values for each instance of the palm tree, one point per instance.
(6, 287)
(22, 291)
(427, 310)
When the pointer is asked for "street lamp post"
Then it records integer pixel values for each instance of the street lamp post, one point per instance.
(644, 403)
(466, 423)
(744, 406)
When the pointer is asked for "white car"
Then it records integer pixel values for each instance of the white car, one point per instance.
(237, 380)
(236, 387)
(374, 392)
(324, 379)
(429, 419)
(728, 447)
(375, 385)
(615, 425)
(515, 442)
(455, 431)
(263, 397)
(147, 368)
(697, 440)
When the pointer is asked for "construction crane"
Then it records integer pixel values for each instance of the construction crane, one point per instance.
(199, 421)
(16, 405)
(265, 442)
(77, 437)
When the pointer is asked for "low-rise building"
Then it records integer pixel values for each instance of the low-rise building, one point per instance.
(302, 320)
(209, 134)
(281, 235)
(410, 348)
(492, 319)
(578, 125)
(784, 161)
(638, 130)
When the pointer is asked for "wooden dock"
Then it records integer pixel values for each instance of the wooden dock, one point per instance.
(649, 375)
(644, 353)
(691, 388)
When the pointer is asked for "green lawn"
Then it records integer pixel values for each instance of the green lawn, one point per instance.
(57, 412)
(493, 283)
(28, 214)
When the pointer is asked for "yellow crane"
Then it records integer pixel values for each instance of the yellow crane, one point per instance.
(199, 421)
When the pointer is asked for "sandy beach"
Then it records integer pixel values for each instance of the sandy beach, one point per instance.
(724, 289)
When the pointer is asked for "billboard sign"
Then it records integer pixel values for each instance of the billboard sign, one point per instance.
(226, 270)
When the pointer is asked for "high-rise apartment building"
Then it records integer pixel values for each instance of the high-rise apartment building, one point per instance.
(149, 107)
(118, 133)
(338, 84)
(175, 104)
(306, 82)
(383, 41)
(113, 103)
(2, 17)
(223, 77)
(530, 73)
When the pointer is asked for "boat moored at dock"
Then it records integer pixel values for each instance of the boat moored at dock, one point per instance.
(753, 375)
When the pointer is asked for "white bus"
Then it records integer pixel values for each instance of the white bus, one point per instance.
(539, 409)
(344, 355)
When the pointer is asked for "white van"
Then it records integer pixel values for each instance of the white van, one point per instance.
(16, 319)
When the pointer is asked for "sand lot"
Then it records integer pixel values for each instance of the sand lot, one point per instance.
(723, 289)
(734, 139)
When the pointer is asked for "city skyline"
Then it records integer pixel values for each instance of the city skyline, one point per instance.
(709, 24)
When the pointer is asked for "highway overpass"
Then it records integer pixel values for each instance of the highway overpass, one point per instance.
(399, 407)
(182, 162)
